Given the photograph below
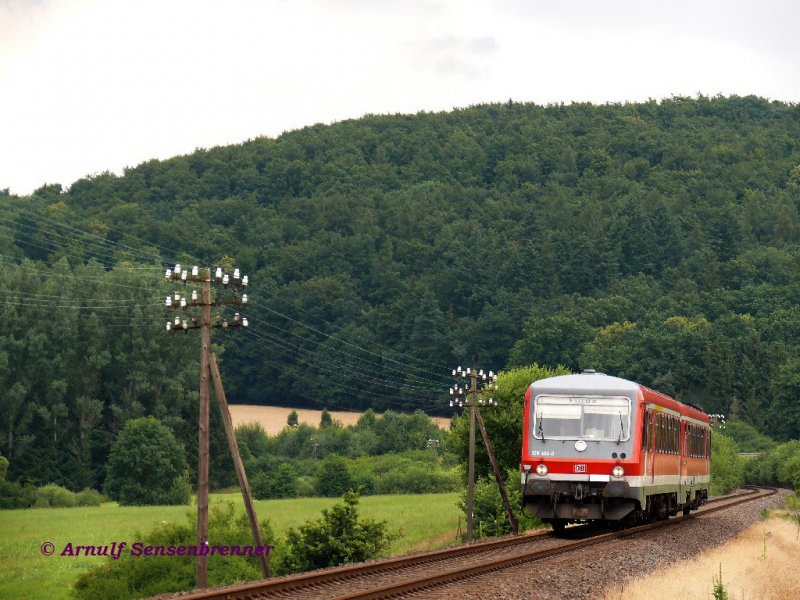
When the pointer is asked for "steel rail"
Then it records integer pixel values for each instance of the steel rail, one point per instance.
(424, 583)
(310, 580)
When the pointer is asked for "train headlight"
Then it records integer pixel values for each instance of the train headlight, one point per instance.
(617, 471)
(541, 469)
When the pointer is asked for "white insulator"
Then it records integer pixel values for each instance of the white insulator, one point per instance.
(168, 274)
(194, 295)
(244, 281)
(454, 372)
(459, 368)
(218, 273)
(244, 322)
(225, 279)
(177, 296)
(451, 403)
(468, 370)
(169, 326)
(244, 298)
(183, 276)
(195, 271)
(236, 274)
(177, 321)
(236, 317)
(169, 301)
(185, 324)
(183, 302)
(177, 269)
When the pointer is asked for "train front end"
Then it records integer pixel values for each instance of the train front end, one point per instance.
(580, 451)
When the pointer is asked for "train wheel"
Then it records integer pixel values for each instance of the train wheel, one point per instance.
(558, 525)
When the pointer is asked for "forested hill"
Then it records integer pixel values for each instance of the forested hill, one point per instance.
(655, 241)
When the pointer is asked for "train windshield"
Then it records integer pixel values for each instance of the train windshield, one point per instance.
(582, 417)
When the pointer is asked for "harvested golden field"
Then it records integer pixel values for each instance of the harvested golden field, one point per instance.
(273, 418)
(760, 563)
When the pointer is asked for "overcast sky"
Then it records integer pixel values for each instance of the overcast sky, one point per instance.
(88, 86)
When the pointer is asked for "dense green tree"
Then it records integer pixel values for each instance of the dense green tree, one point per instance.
(147, 465)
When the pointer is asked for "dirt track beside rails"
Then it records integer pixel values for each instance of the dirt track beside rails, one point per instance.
(586, 573)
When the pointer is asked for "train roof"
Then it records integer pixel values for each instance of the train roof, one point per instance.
(588, 382)
(591, 382)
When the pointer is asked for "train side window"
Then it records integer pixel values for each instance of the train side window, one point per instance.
(659, 436)
(687, 439)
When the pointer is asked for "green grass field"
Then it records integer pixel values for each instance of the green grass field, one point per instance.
(26, 573)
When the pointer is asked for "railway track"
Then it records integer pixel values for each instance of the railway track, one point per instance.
(409, 574)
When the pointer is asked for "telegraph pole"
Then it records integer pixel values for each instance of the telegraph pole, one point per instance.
(210, 370)
(473, 401)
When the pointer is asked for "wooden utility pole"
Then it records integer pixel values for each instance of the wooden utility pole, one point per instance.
(210, 369)
(471, 397)
(201, 564)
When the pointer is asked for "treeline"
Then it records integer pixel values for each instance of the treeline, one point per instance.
(656, 241)
(393, 453)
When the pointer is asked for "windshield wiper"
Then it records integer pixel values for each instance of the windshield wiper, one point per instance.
(539, 429)
(621, 429)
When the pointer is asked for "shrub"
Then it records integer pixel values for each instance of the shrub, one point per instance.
(338, 537)
(54, 496)
(333, 476)
(88, 497)
(292, 420)
(14, 495)
(789, 472)
(489, 515)
(306, 485)
(147, 465)
(279, 483)
(3, 467)
(253, 441)
(325, 419)
(134, 577)
(727, 470)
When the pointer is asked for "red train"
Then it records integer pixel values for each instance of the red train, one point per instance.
(597, 448)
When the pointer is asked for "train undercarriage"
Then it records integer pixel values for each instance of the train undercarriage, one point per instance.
(614, 503)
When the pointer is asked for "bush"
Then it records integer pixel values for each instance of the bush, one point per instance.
(338, 537)
(253, 441)
(727, 469)
(14, 495)
(333, 476)
(147, 466)
(134, 577)
(306, 486)
(489, 515)
(88, 497)
(54, 496)
(279, 483)
(768, 469)
(3, 467)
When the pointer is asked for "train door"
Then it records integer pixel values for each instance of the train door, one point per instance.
(651, 454)
(683, 455)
